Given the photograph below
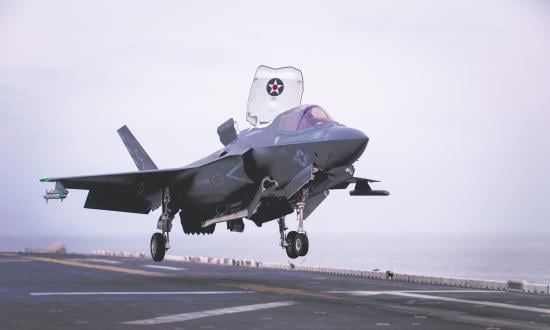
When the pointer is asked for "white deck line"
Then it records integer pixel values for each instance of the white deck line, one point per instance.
(473, 302)
(376, 292)
(164, 267)
(417, 295)
(212, 312)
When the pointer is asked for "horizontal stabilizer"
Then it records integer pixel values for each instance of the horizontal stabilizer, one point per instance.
(363, 188)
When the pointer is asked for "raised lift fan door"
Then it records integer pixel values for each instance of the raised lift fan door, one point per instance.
(273, 91)
(227, 132)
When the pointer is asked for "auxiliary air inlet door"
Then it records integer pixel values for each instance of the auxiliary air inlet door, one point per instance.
(273, 91)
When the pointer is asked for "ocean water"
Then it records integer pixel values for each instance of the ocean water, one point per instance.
(495, 256)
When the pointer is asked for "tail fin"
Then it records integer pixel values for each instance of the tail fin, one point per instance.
(140, 157)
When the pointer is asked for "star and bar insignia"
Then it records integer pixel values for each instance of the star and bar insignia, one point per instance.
(275, 87)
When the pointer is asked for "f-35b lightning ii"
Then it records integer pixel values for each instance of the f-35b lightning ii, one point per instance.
(289, 160)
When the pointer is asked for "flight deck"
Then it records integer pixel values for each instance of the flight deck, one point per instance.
(69, 291)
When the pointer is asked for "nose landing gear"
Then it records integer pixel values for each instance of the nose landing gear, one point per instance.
(296, 243)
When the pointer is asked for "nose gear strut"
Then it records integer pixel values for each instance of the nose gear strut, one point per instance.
(296, 243)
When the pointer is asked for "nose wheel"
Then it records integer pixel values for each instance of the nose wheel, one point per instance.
(298, 244)
(295, 243)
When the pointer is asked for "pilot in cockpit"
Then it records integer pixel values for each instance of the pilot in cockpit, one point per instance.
(314, 116)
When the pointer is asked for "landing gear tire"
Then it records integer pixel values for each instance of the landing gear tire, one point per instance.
(298, 244)
(305, 244)
(291, 247)
(158, 247)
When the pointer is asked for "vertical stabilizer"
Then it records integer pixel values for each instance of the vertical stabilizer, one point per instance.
(140, 157)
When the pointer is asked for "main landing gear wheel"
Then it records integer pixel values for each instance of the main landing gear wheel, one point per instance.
(305, 244)
(290, 248)
(158, 246)
(298, 244)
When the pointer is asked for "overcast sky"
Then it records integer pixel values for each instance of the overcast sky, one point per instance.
(454, 95)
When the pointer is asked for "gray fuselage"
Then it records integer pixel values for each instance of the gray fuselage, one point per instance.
(226, 180)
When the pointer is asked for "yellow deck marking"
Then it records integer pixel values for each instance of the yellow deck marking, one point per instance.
(8, 254)
(96, 266)
(277, 290)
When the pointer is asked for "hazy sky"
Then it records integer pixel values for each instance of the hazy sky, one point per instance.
(454, 95)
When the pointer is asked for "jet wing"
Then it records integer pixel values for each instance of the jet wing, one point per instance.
(135, 192)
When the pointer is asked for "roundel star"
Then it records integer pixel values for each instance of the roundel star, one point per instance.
(275, 87)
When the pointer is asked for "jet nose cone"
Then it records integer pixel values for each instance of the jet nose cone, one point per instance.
(349, 144)
(358, 138)
(354, 138)
(357, 142)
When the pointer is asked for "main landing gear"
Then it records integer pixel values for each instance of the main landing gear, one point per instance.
(296, 243)
(158, 247)
(160, 242)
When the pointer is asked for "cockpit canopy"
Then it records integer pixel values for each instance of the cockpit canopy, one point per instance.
(303, 117)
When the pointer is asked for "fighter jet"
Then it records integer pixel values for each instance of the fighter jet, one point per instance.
(288, 160)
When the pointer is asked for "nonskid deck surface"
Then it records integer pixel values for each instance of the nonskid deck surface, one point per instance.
(90, 292)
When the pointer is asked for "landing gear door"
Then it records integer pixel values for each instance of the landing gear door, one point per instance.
(273, 91)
